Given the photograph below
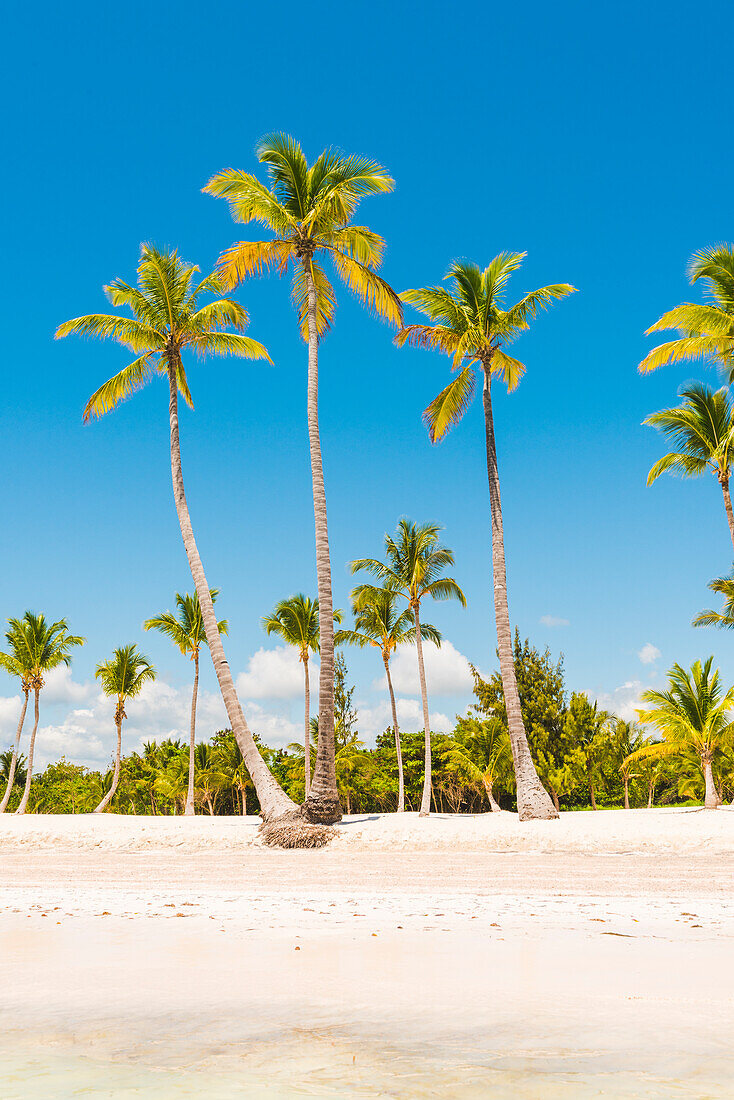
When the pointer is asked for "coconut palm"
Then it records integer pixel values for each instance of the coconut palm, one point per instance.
(481, 754)
(123, 676)
(692, 715)
(168, 319)
(707, 329)
(44, 646)
(12, 769)
(702, 432)
(724, 586)
(17, 662)
(469, 323)
(413, 570)
(378, 623)
(310, 210)
(627, 739)
(296, 621)
(186, 631)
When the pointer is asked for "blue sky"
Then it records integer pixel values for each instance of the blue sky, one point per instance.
(589, 136)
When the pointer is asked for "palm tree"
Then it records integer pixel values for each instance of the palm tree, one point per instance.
(16, 663)
(186, 630)
(469, 323)
(168, 318)
(310, 210)
(123, 676)
(12, 769)
(481, 753)
(377, 623)
(44, 647)
(692, 715)
(707, 330)
(628, 739)
(413, 570)
(588, 728)
(724, 586)
(296, 621)
(702, 432)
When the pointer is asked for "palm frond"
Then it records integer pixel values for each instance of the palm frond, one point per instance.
(116, 389)
(369, 287)
(449, 406)
(248, 258)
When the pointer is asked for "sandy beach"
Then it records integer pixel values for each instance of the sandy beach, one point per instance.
(450, 957)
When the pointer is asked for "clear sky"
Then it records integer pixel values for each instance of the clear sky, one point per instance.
(595, 137)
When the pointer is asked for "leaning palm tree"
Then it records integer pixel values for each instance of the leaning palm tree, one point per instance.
(378, 623)
(723, 586)
(692, 715)
(413, 570)
(168, 319)
(186, 630)
(469, 323)
(123, 676)
(44, 647)
(702, 432)
(296, 621)
(310, 210)
(17, 662)
(707, 329)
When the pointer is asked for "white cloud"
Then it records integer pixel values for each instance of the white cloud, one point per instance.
(447, 671)
(649, 654)
(272, 674)
(553, 620)
(623, 701)
(60, 688)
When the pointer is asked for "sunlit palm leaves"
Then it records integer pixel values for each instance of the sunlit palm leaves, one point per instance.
(701, 431)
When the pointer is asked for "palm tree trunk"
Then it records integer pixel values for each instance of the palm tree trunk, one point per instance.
(427, 786)
(493, 804)
(322, 802)
(556, 802)
(592, 795)
(116, 775)
(307, 728)
(727, 505)
(189, 809)
(274, 802)
(711, 799)
(31, 747)
(650, 792)
(398, 748)
(532, 799)
(14, 757)
(626, 793)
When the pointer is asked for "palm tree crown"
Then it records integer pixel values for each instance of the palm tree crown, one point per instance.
(296, 621)
(724, 586)
(378, 623)
(125, 674)
(309, 209)
(701, 431)
(167, 319)
(37, 646)
(413, 569)
(707, 329)
(469, 323)
(186, 628)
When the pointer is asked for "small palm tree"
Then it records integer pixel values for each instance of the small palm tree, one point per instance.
(310, 210)
(702, 432)
(480, 753)
(124, 677)
(168, 319)
(470, 323)
(296, 621)
(378, 623)
(723, 586)
(413, 570)
(692, 715)
(628, 739)
(186, 631)
(707, 330)
(44, 647)
(17, 662)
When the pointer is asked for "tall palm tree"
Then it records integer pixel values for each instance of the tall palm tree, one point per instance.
(186, 630)
(702, 432)
(296, 621)
(692, 715)
(378, 623)
(310, 210)
(168, 319)
(724, 586)
(707, 329)
(468, 321)
(17, 662)
(413, 570)
(44, 646)
(123, 676)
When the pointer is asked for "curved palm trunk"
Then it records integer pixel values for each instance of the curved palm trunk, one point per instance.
(532, 799)
(493, 804)
(273, 800)
(398, 749)
(426, 796)
(189, 808)
(727, 505)
(626, 793)
(116, 774)
(14, 757)
(31, 748)
(322, 802)
(307, 727)
(711, 799)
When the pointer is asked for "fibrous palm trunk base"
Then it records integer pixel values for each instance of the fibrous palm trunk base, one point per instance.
(322, 809)
(292, 830)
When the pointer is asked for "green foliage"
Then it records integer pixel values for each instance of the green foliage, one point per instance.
(702, 432)
(185, 628)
